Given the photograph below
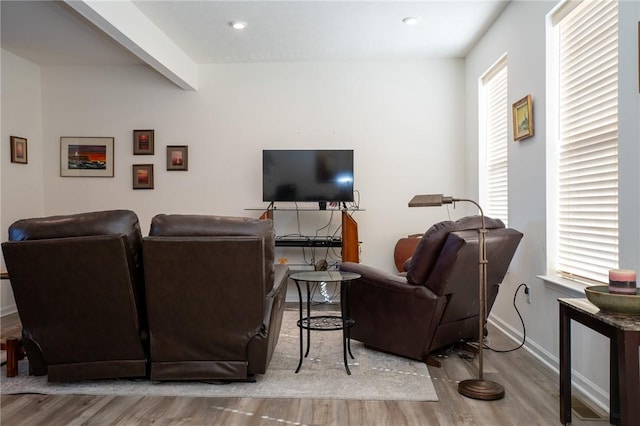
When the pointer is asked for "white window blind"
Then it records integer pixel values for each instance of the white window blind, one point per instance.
(496, 116)
(588, 141)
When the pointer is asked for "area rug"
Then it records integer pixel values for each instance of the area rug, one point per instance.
(374, 375)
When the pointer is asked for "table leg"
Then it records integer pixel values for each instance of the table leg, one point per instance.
(347, 313)
(565, 366)
(13, 353)
(344, 310)
(628, 378)
(308, 316)
(299, 323)
(614, 382)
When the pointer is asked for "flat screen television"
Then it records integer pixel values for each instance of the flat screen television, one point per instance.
(319, 175)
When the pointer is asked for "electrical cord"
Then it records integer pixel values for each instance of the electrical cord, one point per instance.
(355, 204)
(471, 356)
(524, 331)
(330, 254)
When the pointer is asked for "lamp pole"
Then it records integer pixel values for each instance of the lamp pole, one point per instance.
(472, 388)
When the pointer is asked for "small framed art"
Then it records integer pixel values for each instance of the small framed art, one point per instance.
(18, 150)
(143, 143)
(143, 176)
(177, 157)
(523, 119)
(86, 157)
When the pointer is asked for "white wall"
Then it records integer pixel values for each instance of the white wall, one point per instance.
(21, 185)
(401, 118)
(520, 32)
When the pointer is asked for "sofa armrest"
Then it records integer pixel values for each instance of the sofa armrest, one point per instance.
(281, 274)
(390, 313)
(262, 345)
(373, 274)
(279, 285)
(391, 282)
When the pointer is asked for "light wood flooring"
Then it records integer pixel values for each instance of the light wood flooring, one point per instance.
(531, 399)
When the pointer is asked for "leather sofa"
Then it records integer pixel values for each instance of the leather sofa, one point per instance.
(79, 289)
(215, 299)
(435, 303)
(210, 305)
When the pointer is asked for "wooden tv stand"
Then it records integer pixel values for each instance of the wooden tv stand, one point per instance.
(349, 237)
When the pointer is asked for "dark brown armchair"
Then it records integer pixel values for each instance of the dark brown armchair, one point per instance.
(78, 286)
(215, 300)
(436, 303)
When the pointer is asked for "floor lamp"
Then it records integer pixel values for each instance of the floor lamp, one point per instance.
(472, 388)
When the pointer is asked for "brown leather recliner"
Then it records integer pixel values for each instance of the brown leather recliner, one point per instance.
(215, 300)
(436, 303)
(78, 286)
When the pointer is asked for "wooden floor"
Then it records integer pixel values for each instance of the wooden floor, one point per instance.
(531, 399)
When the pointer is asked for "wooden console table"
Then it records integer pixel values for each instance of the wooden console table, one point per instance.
(11, 344)
(623, 332)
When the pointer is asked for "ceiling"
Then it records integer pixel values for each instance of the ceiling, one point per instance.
(54, 33)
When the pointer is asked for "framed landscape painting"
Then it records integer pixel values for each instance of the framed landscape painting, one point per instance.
(86, 157)
(143, 143)
(523, 119)
(143, 176)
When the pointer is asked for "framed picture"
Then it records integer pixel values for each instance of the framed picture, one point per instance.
(143, 176)
(177, 157)
(143, 142)
(523, 119)
(18, 150)
(86, 157)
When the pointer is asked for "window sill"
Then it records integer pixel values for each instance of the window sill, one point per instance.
(565, 286)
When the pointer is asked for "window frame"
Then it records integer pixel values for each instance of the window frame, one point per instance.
(554, 240)
(496, 206)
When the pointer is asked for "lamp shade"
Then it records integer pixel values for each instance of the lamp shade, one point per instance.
(431, 200)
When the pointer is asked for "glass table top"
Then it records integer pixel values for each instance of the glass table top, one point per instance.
(326, 276)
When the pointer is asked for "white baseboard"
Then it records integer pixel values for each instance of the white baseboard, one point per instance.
(8, 310)
(592, 392)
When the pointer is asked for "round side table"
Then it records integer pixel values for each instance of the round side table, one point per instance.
(325, 322)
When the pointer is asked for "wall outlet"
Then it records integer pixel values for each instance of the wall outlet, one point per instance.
(527, 291)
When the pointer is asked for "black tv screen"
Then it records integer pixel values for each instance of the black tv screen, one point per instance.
(307, 175)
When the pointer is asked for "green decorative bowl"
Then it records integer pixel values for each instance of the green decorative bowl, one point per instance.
(628, 304)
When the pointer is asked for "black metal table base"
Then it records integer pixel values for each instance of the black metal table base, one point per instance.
(325, 322)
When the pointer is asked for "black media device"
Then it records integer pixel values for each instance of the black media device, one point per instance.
(320, 175)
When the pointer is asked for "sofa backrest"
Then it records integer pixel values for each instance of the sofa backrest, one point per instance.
(430, 246)
(107, 222)
(110, 222)
(177, 225)
(79, 292)
(208, 281)
(446, 261)
(456, 273)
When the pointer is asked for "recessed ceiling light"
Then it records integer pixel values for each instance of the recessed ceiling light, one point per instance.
(238, 25)
(410, 20)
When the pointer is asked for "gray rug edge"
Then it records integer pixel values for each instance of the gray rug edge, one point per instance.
(407, 380)
(187, 389)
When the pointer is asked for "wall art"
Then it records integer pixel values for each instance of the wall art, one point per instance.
(177, 157)
(523, 119)
(143, 176)
(18, 150)
(143, 143)
(86, 156)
